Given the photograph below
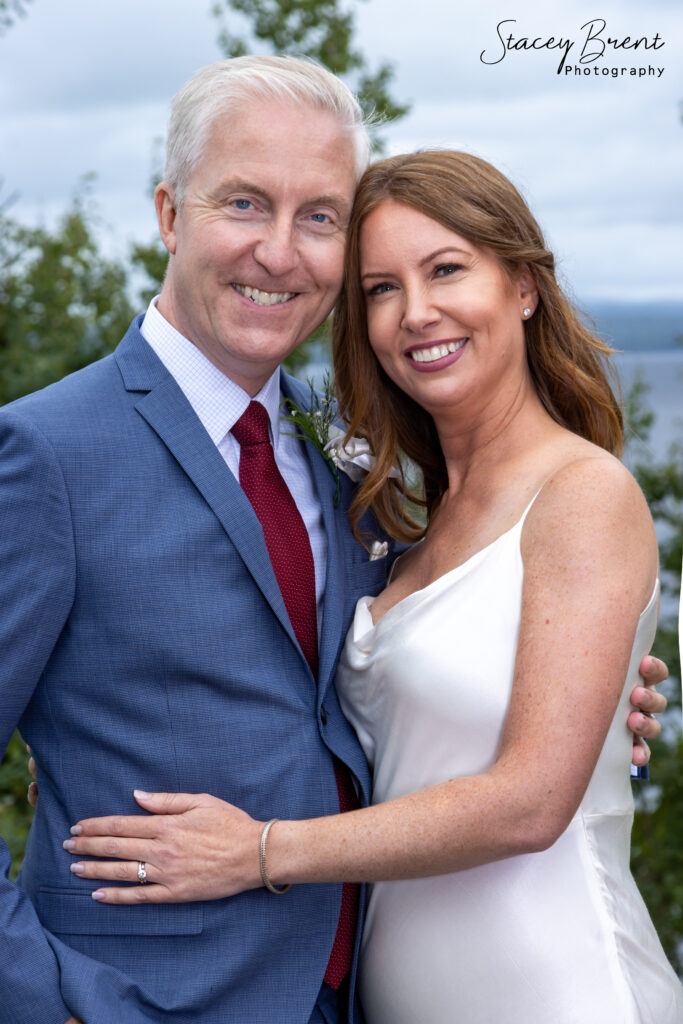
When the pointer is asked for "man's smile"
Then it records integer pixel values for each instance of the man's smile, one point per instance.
(261, 298)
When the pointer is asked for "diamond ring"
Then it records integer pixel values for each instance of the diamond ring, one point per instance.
(142, 873)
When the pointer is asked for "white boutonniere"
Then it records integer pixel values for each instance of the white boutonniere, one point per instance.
(353, 458)
(378, 549)
(317, 425)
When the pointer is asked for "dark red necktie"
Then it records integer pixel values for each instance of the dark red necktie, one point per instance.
(292, 560)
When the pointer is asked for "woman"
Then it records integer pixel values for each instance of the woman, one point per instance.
(501, 859)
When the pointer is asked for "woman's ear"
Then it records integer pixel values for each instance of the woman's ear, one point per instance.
(527, 292)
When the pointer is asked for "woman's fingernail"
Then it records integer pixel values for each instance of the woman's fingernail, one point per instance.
(75, 830)
(141, 794)
(77, 869)
(98, 894)
(68, 844)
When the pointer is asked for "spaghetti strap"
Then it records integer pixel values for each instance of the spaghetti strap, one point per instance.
(520, 521)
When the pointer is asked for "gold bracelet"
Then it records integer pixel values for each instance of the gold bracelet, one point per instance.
(264, 873)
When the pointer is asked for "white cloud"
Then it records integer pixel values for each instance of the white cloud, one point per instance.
(86, 86)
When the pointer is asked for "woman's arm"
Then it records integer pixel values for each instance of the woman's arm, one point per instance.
(590, 562)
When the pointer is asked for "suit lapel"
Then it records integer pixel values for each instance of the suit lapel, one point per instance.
(333, 520)
(333, 609)
(170, 415)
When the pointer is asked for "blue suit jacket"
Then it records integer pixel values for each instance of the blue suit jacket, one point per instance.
(145, 644)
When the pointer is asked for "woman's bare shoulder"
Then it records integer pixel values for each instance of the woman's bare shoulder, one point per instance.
(591, 508)
(590, 479)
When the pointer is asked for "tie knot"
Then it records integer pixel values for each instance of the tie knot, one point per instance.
(252, 426)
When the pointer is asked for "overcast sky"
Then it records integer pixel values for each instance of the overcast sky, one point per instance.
(84, 86)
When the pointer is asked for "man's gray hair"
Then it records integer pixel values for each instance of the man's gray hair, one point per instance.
(220, 88)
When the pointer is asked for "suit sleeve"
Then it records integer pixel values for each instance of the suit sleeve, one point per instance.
(37, 581)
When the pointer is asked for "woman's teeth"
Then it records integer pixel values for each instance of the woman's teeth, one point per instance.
(430, 355)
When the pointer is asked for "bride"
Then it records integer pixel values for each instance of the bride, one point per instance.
(499, 846)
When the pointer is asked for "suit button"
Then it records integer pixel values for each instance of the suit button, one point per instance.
(323, 714)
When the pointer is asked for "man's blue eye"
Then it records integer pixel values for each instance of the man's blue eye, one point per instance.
(242, 204)
(319, 218)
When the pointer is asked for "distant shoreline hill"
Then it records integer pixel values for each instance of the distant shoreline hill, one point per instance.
(638, 326)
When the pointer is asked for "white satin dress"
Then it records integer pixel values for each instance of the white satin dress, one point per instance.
(558, 937)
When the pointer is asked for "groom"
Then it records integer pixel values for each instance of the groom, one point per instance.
(175, 588)
(155, 631)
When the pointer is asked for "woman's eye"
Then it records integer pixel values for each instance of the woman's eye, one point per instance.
(444, 269)
(380, 289)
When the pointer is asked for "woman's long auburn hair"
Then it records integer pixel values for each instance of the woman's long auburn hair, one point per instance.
(568, 364)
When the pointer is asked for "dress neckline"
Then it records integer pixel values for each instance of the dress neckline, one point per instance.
(363, 625)
(456, 571)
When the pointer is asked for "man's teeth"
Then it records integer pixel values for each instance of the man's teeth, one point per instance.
(263, 298)
(430, 355)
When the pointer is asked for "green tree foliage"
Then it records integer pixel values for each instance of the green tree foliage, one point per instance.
(151, 261)
(62, 304)
(16, 814)
(662, 484)
(657, 848)
(657, 842)
(9, 11)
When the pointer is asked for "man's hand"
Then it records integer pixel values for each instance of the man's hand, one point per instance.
(647, 702)
(73, 1020)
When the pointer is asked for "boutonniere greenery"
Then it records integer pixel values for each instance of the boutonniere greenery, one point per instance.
(313, 424)
(319, 425)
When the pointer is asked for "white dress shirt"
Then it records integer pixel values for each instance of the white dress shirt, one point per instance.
(219, 403)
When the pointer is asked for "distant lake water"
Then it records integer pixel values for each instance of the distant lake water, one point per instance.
(648, 338)
(662, 371)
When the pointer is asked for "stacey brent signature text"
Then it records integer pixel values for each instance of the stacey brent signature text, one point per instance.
(594, 43)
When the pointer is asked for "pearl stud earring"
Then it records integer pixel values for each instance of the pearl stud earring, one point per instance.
(526, 312)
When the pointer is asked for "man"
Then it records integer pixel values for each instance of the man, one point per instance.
(155, 632)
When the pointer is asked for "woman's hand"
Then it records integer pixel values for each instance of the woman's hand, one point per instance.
(193, 847)
(32, 792)
(648, 703)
